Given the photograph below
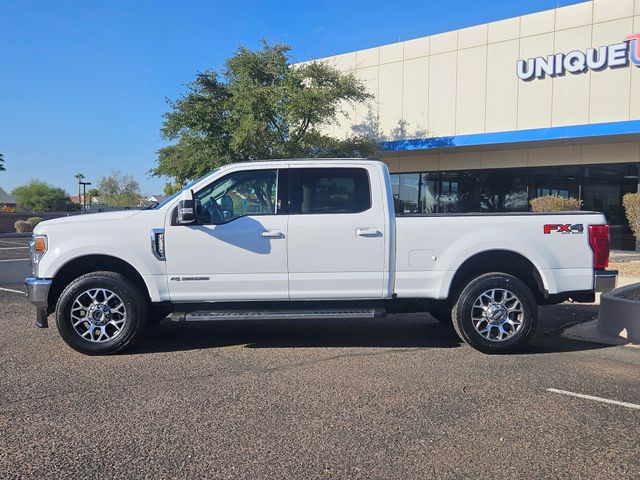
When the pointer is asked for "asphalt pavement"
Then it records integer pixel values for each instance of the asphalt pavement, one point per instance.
(389, 398)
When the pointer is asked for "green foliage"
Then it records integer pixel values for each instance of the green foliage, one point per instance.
(555, 203)
(42, 197)
(119, 190)
(631, 202)
(33, 221)
(26, 226)
(2, 169)
(171, 188)
(22, 226)
(259, 107)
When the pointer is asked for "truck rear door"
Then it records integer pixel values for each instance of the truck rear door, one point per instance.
(337, 233)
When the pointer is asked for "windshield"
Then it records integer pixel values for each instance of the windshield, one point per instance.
(167, 200)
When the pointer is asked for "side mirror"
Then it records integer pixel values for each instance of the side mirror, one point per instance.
(186, 208)
(226, 205)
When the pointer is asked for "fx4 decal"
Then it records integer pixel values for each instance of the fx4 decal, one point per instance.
(564, 229)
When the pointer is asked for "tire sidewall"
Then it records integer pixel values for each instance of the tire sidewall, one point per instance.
(462, 312)
(128, 293)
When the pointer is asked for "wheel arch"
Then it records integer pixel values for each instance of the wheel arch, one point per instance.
(499, 260)
(92, 263)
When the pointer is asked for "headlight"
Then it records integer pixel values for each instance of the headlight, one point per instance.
(37, 248)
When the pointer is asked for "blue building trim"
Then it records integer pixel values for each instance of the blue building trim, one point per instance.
(519, 136)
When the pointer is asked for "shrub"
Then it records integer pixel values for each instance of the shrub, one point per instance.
(33, 221)
(23, 227)
(631, 202)
(555, 203)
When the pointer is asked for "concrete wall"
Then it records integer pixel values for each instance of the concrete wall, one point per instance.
(7, 220)
(465, 81)
(512, 158)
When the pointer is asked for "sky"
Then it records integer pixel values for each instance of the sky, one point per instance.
(83, 83)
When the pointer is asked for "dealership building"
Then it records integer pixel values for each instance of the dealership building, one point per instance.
(488, 117)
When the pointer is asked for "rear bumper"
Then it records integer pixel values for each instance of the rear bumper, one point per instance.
(605, 280)
(38, 295)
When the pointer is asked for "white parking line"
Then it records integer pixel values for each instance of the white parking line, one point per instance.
(597, 399)
(12, 248)
(11, 290)
(16, 260)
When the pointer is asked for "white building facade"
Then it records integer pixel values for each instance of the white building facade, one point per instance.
(487, 117)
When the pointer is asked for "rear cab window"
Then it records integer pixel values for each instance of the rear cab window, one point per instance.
(315, 191)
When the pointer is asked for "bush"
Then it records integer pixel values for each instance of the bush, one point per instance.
(631, 202)
(23, 227)
(555, 203)
(33, 221)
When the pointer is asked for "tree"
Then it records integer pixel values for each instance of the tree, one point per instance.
(119, 190)
(259, 107)
(171, 188)
(92, 193)
(42, 197)
(2, 169)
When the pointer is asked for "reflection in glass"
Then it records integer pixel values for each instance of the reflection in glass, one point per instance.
(600, 187)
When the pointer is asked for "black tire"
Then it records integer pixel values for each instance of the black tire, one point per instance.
(135, 306)
(464, 309)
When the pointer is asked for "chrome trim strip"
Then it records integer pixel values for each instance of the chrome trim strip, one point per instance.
(205, 316)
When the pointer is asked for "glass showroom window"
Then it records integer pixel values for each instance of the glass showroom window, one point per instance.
(460, 192)
(603, 187)
(563, 181)
(429, 192)
(505, 190)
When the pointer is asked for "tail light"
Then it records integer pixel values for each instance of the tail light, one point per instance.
(600, 244)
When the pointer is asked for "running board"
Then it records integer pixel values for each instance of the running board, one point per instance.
(325, 314)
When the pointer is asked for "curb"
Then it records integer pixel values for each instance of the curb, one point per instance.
(620, 316)
(589, 332)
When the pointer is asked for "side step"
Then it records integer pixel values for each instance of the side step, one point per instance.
(324, 314)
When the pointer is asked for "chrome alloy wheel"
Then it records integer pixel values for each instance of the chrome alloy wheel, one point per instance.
(98, 315)
(497, 314)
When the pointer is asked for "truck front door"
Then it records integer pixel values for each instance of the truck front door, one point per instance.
(237, 249)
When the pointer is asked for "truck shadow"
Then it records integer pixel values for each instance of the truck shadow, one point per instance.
(391, 333)
(395, 331)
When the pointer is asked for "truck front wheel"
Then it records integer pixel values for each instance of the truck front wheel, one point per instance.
(101, 313)
(495, 313)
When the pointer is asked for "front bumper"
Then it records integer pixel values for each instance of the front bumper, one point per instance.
(605, 280)
(38, 295)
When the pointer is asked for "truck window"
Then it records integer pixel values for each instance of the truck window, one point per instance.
(329, 190)
(249, 192)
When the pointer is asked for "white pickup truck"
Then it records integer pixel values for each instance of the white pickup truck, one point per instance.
(309, 239)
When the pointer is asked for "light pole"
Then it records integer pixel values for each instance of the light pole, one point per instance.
(79, 177)
(84, 194)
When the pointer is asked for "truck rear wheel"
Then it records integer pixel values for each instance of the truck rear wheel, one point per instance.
(101, 313)
(495, 313)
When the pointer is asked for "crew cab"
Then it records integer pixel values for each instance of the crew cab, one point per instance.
(309, 239)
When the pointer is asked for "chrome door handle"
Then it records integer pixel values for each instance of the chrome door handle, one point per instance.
(368, 232)
(272, 234)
